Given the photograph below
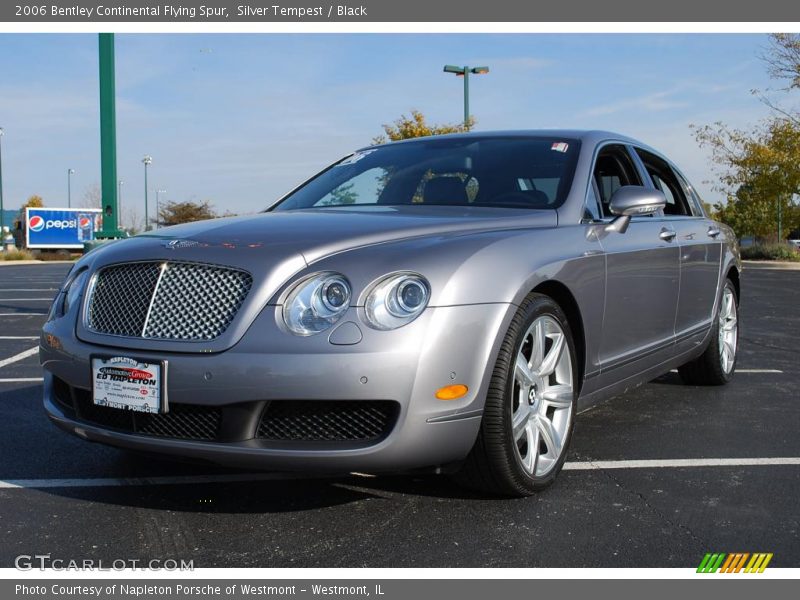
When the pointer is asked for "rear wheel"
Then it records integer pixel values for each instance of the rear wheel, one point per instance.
(530, 407)
(717, 364)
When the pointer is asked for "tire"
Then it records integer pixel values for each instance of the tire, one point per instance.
(716, 366)
(513, 455)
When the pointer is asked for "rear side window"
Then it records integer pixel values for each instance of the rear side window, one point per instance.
(695, 203)
(613, 169)
(666, 180)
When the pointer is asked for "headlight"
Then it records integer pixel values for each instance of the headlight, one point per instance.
(74, 290)
(396, 300)
(68, 295)
(316, 303)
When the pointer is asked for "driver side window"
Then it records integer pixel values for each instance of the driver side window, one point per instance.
(612, 170)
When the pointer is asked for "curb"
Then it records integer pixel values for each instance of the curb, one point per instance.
(11, 263)
(776, 265)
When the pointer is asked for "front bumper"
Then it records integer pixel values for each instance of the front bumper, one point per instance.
(403, 368)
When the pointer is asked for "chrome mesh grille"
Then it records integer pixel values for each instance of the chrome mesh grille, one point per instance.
(120, 298)
(166, 300)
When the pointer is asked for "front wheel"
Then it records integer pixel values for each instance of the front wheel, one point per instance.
(717, 364)
(530, 407)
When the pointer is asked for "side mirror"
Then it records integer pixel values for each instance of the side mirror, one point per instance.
(631, 200)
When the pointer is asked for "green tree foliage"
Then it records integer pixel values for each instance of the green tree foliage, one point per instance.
(759, 168)
(760, 171)
(174, 213)
(416, 125)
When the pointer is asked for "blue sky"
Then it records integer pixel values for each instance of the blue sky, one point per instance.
(240, 119)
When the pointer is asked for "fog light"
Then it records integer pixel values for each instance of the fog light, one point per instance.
(53, 341)
(452, 392)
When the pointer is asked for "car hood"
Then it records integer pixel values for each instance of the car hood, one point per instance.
(276, 246)
(316, 234)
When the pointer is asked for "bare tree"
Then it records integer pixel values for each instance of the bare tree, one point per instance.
(92, 197)
(783, 58)
(130, 220)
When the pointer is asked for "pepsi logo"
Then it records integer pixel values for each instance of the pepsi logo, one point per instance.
(85, 221)
(36, 223)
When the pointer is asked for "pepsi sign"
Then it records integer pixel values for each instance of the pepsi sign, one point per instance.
(61, 227)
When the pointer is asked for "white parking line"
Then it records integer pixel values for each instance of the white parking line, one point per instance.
(748, 371)
(26, 299)
(246, 477)
(18, 357)
(23, 380)
(24, 314)
(680, 463)
(19, 337)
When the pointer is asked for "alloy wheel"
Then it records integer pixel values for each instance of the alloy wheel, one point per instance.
(542, 399)
(728, 330)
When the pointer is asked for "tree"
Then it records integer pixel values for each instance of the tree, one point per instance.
(174, 213)
(92, 197)
(33, 202)
(783, 58)
(759, 168)
(415, 126)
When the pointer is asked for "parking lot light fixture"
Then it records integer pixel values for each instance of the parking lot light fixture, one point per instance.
(465, 72)
(70, 173)
(2, 217)
(146, 161)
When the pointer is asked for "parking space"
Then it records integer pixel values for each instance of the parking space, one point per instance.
(62, 496)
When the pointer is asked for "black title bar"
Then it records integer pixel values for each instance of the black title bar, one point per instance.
(370, 11)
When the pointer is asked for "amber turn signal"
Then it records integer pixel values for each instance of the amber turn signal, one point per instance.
(451, 392)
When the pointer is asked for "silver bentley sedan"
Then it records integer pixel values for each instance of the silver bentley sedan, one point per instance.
(447, 303)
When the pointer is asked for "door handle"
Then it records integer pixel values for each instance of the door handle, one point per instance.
(667, 234)
(713, 231)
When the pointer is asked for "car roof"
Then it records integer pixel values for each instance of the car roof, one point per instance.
(586, 136)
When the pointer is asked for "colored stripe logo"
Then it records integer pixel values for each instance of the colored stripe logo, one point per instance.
(737, 562)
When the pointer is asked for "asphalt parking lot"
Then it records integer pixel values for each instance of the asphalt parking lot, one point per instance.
(75, 500)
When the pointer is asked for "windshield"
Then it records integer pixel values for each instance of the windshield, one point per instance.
(512, 172)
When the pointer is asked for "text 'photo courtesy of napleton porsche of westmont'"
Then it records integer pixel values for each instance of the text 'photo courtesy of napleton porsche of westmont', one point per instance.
(399, 300)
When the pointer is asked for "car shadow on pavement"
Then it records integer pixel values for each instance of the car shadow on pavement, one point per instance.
(263, 494)
(669, 379)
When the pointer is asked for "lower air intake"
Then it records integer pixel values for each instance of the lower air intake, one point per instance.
(327, 420)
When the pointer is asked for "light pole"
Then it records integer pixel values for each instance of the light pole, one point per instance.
(70, 173)
(147, 160)
(2, 212)
(464, 72)
(158, 192)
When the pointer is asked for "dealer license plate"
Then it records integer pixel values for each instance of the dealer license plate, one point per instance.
(128, 384)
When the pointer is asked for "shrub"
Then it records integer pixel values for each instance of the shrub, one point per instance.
(57, 255)
(16, 255)
(771, 252)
